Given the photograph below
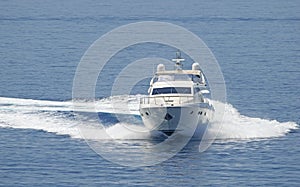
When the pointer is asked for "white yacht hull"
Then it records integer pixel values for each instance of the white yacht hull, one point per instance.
(188, 120)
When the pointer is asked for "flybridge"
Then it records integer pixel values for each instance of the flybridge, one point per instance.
(184, 72)
(194, 74)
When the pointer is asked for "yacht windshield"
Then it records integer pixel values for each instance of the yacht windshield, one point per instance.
(172, 90)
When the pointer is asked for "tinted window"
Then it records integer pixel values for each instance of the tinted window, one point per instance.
(172, 90)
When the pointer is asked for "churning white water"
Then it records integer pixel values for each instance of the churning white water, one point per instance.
(57, 117)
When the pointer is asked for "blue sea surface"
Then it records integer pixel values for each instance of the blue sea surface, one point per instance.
(256, 43)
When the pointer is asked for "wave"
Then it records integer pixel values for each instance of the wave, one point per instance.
(58, 117)
(237, 126)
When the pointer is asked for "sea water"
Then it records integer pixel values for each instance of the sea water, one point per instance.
(257, 47)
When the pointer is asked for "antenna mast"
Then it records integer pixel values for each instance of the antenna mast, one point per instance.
(178, 60)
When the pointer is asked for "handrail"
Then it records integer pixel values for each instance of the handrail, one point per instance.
(159, 100)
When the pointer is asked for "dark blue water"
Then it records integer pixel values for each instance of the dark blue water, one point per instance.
(257, 45)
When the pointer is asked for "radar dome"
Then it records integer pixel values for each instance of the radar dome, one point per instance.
(196, 66)
(160, 67)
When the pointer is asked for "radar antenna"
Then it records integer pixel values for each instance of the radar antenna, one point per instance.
(178, 60)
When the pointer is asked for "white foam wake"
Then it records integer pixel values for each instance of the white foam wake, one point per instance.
(116, 104)
(56, 117)
(237, 126)
(39, 121)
